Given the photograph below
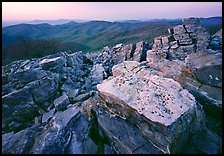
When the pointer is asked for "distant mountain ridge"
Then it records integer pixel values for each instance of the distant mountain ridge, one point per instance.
(89, 36)
(79, 32)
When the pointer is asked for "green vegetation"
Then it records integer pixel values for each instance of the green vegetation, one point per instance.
(27, 48)
(26, 41)
(212, 29)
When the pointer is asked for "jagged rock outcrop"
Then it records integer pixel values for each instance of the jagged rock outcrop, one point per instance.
(119, 53)
(182, 40)
(30, 87)
(198, 68)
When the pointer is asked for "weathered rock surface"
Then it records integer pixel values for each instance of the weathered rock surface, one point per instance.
(61, 102)
(20, 142)
(182, 40)
(33, 85)
(119, 53)
(216, 42)
(163, 103)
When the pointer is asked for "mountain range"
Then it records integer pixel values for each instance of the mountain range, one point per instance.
(93, 35)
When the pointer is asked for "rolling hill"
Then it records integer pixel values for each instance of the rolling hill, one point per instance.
(87, 36)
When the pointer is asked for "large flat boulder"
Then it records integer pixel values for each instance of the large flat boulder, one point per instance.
(163, 103)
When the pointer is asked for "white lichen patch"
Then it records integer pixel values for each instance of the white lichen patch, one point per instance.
(49, 60)
(159, 99)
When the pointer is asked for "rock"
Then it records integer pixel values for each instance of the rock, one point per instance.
(157, 43)
(52, 64)
(118, 46)
(97, 74)
(89, 146)
(48, 115)
(165, 42)
(216, 41)
(55, 138)
(61, 102)
(82, 97)
(188, 49)
(191, 28)
(205, 142)
(191, 21)
(166, 68)
(206, 67)
(47, 89)
(121, 68)
(20, 142)
(166, 109)
(108, 149)
(73, 93)
(79, 129)
(179, 29)
(140, 51)
(18, 106)
(125, 137)
(30, 75)
(68, 85)
(170, 31)
(185, 41)
(174, 45)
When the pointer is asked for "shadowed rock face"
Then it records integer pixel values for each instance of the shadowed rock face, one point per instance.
(216, 41)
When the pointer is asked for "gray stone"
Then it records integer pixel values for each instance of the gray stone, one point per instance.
(79, 128)
(52, 63)
(121, 68)
(54, 138)
(68, 85)
(73, 93)
(89, 147)
(18, 106)
(191, 28)
(21, 142)
(27, 76)
(48, 115)
(82, 97)
(174, 45)
(165, 42)
(191, 21)
(183, 36)
(97, 74)
(61, 102)
(47, 89)
(185, 41)
(124, 136)
(157, 43)
(108, 149)
(179, 29)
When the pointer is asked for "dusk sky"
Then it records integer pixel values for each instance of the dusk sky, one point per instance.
(108, 10)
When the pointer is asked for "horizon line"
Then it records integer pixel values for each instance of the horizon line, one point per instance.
(30, 20)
